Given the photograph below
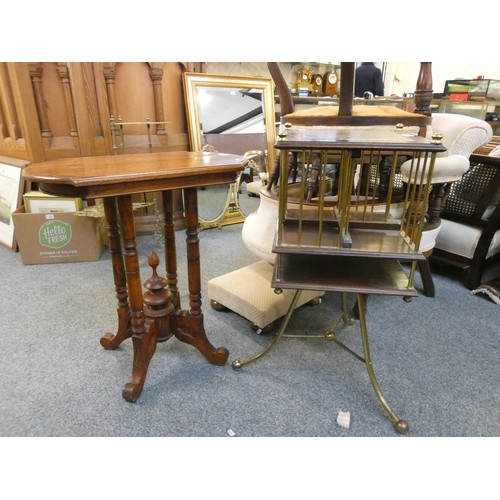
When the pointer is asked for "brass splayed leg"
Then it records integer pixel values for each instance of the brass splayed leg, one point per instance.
(400, 426)
(237, 363)
(343, 316)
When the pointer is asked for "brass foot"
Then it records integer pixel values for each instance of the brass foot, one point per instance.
(401, 426)
(329, 335)
(236, 364)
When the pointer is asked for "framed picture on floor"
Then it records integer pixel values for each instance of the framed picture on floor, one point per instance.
(36, 202)
(11, 191)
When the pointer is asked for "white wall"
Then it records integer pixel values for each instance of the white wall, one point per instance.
(400, 77)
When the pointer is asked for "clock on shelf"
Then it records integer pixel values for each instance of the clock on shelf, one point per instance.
(317, 81)
(330, 82)
(304, 78)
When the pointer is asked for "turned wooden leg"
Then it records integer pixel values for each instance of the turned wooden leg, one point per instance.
(170, 250)
(110, 341)
(426, 275)
(312, 182)
(188, 326)
(142, 343)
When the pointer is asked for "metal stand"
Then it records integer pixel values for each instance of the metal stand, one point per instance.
(400, 425)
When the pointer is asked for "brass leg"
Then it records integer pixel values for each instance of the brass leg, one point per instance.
(400, 426)
(124, 331)
(344, 316)
(237, 363)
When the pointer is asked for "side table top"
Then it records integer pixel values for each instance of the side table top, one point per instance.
(111, 175)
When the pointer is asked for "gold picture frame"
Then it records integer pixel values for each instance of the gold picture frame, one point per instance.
(238, 118)
(12, 186)
(194, 83)
(36, 202)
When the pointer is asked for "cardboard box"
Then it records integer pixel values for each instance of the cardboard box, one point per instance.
(48, 238)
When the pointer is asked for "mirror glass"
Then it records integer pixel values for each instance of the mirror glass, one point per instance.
(231, 114)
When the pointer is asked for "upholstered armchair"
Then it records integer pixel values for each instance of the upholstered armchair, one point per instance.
(461, 136)
(470, 221)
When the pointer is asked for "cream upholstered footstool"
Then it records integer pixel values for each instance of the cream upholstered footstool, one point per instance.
(247, 291)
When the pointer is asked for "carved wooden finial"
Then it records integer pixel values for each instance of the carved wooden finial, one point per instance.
(155, 283)
(157, 302)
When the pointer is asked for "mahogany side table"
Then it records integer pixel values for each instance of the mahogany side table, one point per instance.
(155, 315)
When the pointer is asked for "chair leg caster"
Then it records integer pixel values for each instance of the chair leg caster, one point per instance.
(262, 331)
(218, 306)
(314, 302)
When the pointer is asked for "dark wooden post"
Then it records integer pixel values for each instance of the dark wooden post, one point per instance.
(423, 92)
(346, 88)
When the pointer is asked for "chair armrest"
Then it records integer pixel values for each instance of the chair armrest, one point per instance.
(487, 159)
(446, 169)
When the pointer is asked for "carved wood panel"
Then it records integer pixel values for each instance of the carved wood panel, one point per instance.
(11, 135)
(65, 107)
(52, 110)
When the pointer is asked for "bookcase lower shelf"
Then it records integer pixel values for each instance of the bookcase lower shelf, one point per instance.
(330, 273)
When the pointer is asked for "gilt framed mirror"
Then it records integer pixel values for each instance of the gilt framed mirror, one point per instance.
(231, 114)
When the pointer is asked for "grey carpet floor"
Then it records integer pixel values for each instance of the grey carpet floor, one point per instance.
(436, 360)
